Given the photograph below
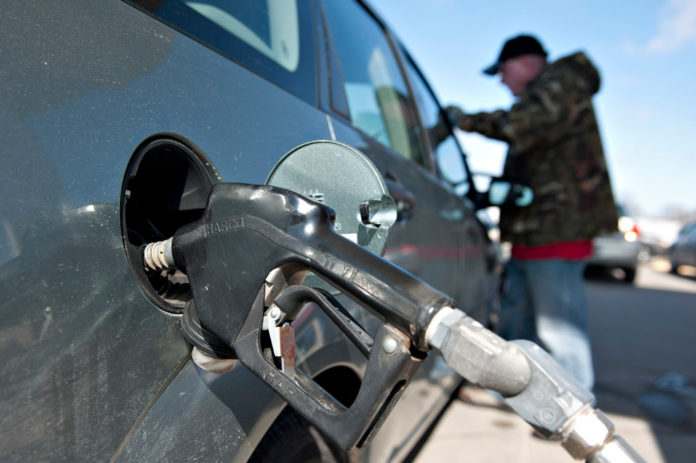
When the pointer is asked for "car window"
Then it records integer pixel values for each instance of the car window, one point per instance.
(448, 154)
(378, 98)
(273, 38)
(691, 233)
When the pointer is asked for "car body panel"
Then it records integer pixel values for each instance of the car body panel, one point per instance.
(615, 251)
(621, 249)
(188, 421)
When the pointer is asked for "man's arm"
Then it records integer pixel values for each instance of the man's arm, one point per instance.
(541, 116)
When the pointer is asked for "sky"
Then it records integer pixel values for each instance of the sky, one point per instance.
(645, 51)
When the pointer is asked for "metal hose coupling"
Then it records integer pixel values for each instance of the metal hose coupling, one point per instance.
(477, 354)
(590, 436)
(158, 256)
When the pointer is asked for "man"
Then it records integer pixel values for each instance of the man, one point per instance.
(554, 147)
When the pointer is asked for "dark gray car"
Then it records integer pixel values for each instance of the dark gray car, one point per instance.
(683, 250)
(117, 117)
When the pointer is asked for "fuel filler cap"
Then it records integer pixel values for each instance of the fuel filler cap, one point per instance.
(343, 178)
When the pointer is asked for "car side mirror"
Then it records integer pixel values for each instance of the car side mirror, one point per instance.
(502, 192)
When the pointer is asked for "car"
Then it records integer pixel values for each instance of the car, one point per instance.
(683, 251)
(621, 250)
(119, 117)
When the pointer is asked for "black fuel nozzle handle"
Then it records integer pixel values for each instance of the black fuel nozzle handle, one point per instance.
(248, 230)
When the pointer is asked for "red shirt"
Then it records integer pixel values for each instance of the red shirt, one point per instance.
(571, 250)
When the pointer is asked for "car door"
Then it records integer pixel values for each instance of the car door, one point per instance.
(373, 109)
(475, 288)
(426, 237)
(690, 247)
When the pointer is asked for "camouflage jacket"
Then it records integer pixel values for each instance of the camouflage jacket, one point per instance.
(554, 147)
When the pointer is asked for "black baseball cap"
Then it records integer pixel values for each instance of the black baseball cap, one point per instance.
(514, 47)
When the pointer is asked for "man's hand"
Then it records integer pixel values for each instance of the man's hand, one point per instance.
(442, 129)
(458, 118)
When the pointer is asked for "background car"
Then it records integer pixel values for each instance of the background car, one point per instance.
(118, 118)
(683, 250)
(621, 250)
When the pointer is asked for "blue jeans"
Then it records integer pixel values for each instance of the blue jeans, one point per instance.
(544, 301)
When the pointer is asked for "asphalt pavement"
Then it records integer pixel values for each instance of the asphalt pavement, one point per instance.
(644, 343)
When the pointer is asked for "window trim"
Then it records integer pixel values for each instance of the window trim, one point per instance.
(408, 59)
(338, 86)
(332, 75)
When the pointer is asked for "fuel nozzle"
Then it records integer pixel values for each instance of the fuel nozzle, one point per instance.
(158, 256)
(244, 257)
(249, 232)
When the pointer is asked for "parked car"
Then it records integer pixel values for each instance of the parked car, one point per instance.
(620, 250)
(683, 250)
(118, 117)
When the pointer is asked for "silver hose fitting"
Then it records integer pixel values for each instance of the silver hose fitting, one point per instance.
(478, 354)
(616, 450)
(586, 433)
(158, 256)
(591, 436)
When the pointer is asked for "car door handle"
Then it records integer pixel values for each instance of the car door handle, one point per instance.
(404, 199)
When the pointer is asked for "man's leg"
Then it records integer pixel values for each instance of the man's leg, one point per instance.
(516, 315)
(558, 293)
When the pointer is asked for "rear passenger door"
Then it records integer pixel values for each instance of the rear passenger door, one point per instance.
(380, 119)
(375, 101)
(372, 107)
(475, 285)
